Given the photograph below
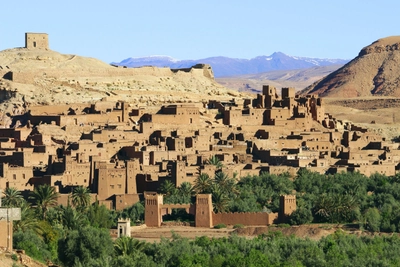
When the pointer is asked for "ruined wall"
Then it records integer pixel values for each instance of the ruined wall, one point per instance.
(245, 218)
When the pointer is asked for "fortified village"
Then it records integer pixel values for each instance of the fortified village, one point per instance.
(127, 150)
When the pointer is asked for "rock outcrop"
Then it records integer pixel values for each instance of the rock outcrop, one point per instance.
(375, 71)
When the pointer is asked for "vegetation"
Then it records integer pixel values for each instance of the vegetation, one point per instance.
(77, 235)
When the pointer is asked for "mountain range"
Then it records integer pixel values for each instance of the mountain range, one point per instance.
(225, 66)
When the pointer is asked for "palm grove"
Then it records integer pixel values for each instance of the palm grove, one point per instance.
(78, 234)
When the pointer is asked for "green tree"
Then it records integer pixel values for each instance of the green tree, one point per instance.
(202, 184)
(86, 246)
(81, 197)
(100, 217)
(71, 218)
(168, 188)
(28, 220)
(44, 197)
(127, 246)
(185, 192)
(372, 219)
(219, 198)
(12, 197)
(214, 160)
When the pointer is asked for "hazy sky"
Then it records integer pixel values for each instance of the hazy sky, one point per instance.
(118, 29)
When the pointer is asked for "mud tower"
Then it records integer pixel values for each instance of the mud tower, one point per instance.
(287, 206)
(204, 211)
(152, 216)
(36, 40)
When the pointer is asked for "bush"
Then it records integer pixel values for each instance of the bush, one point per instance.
(283, 225)
(239, 225)
(219, 226)
(301, 216)
(14, 257)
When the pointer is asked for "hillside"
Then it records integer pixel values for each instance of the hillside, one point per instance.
(46, 77)
(225, 66)
(299, 79)
(374, 72)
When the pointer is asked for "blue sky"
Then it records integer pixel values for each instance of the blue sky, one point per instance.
(118, 29)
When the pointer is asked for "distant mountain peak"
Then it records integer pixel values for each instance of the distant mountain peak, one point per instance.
(225, 66)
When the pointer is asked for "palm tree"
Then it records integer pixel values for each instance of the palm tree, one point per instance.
(81, 197)
(168, 188)
(186, 192)
(215, 161)
(71, 219)
(202, 184)
(227, 185)
(28, 220)
(219, 199)
(127, 246)
(44, 197)
(12, 198)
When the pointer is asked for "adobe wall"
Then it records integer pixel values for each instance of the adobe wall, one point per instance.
(245, 218)
(6, 234)
(125, 200)
(36, 40)
(66, 74)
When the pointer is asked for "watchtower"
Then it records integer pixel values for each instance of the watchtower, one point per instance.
(36, 40)
(152, 216)
(204, 210)
(287, 205)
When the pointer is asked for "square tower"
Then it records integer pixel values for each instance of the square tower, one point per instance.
(36, 40)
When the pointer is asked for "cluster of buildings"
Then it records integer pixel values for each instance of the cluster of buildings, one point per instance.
(124, 151)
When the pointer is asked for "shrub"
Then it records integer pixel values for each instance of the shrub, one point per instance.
(283, 225)
(219, 226)
(239, 225)
(14, 257)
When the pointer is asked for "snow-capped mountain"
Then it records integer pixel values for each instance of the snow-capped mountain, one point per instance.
(225, 66)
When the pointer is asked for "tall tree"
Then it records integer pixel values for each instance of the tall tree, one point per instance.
(127, 246)
(44, 197)
(81, 197)
(12, 197)
(202, 184)
(71, 219)
(168, 188)
(214, 160)
(28, 220)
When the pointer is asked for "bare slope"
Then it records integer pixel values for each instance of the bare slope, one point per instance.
(299, 79)
(45, 77)
(375, 71)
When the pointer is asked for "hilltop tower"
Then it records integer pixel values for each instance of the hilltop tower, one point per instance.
(36, 40)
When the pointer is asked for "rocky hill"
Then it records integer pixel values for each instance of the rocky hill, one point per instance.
(375, 71)
(45, 77)
(225, 66)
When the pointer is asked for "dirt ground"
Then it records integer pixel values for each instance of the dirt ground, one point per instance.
(380, 115)
(312, 231)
